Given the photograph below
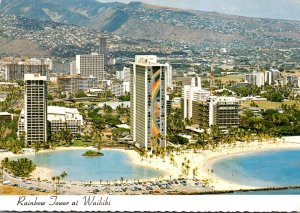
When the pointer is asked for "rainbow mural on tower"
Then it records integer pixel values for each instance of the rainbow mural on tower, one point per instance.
(155, 108)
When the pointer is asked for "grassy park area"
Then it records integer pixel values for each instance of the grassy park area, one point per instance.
(269, 104)
(10, 190)
(228, 78)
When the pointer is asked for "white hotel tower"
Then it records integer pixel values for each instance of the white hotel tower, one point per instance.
(90, 65)
(35, 108)
(148, 116)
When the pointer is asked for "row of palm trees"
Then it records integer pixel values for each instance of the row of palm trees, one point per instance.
(59, 179)
(64, 135)
(185, 167)
(210, 140)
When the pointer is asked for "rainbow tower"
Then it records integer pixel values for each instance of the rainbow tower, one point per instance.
(148, 116)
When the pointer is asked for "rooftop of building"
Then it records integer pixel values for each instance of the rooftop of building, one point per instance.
(114, 105)
(8, 84)
(149, 64)
(147, 60)
(24, 60)
(70, 76)
(4, 113)
(90, 55)
(61, 110)
(58, 110)
(34, 76)
(125, 126)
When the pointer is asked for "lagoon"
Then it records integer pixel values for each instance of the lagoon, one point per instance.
(112, 166)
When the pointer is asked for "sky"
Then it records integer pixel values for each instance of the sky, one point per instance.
(277, 9)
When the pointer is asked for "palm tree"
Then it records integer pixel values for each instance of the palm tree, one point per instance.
(5, 162)
(183, 168)
(151, 156)
(36, 146)
(58, 184)
(187, 166)
(2, 173)
(153, 145)
(142, 154)
(66, 135)
(53, 179)
(178, 150)
(210, 173)
(63, 175)
(38, 179)
(163, 154)
(98, 140)
(195, 172)
(172, 159)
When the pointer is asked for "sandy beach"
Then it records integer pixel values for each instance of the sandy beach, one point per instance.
(202, 160)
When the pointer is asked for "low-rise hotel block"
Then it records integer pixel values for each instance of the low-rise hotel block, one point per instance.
(222, 112)
(63, 117)
(74, 83)
(120, 88)
(58, 118)
(5, 116)
(190, 94)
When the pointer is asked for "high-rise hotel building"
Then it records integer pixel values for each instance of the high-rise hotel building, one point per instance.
(35, 108)
(90, 65)
(103, 50)
(148, 116)
(16, 71)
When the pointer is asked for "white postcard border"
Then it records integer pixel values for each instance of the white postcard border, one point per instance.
(178, 203)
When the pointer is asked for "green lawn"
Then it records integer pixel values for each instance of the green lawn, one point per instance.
(227, 78)
(270, 105)
(77, 143)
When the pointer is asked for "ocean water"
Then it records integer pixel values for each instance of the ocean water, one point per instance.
(262, 169)
(270, 192)
(112, 166)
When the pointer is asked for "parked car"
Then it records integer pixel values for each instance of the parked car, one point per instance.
(6, 182)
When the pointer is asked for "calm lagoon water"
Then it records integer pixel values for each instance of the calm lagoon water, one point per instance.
(271, 168)
(112, 166)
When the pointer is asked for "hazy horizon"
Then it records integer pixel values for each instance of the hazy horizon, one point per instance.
(275, 9)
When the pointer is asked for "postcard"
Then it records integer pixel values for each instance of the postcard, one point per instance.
(120, 105)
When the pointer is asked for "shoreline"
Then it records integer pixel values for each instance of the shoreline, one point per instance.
(220, 183)
(42, 172)
(203, 160)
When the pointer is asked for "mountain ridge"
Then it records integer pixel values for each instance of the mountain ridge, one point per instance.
(278, 9)
(138, 20)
